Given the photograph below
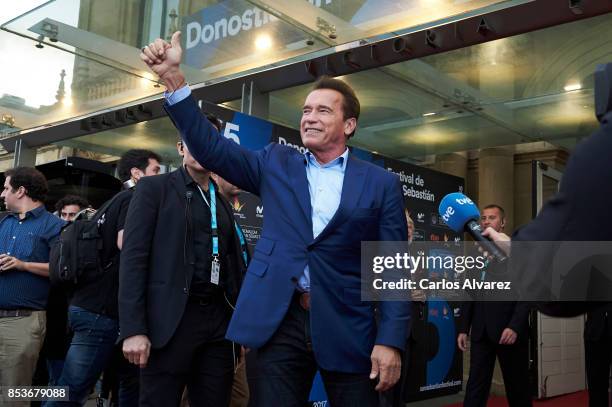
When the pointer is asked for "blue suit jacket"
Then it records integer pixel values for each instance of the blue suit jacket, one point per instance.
(371, 208)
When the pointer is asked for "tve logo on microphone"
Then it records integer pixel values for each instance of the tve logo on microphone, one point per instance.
(456, 210)
(464, 201)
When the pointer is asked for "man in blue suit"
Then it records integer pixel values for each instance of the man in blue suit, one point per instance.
(300, 304)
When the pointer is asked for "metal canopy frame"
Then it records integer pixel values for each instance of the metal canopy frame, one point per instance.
(346, 59)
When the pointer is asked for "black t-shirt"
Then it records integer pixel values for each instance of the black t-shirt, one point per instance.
(202, 239)
(99, 294)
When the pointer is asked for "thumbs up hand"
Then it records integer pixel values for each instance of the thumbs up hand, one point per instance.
(164, 59)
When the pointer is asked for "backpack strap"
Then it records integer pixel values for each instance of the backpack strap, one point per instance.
(105, 207)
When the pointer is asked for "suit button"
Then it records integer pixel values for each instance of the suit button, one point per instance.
(185, 290)
(294, 279)
(309, 248)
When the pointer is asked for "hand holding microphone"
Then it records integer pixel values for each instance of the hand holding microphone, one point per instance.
(460, 214)
(502, 239)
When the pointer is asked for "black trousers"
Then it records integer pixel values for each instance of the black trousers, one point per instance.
(514, 363)
(282, 371)
(198, 356)
(598, 355)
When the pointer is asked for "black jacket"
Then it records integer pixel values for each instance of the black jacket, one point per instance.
(488, 318)
(598, 324)
(155, 272)
(580, 211)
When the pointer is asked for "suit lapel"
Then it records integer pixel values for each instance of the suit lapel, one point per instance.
(352, 187)
(299, 181)
(178, 184)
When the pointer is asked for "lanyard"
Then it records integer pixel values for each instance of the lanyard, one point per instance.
(242, 242)
(213, 223)
(213, 217)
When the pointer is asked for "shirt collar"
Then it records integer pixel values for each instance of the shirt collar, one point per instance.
(190, 181)
(186, 177)
(36, 212)
(341, 160)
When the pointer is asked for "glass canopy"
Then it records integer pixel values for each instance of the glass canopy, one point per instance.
(536, 86)
(90, 49)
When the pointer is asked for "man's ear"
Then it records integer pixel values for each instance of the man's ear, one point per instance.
(135, 173)
(21, 192)
(349, 126)
(179, 148)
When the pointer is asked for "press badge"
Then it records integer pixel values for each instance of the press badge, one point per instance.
(214, 271)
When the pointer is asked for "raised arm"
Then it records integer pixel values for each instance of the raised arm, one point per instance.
(240, 166)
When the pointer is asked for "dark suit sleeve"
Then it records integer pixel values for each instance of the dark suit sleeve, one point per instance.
(465, 322)
(238, 165)
(134, 267)
(519, 323)
(394, 326)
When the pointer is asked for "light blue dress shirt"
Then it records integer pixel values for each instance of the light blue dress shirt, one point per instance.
(325, 187)
(324, 184)
(174, 97)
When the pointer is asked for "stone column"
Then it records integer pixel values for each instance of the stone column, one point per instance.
(496, 181)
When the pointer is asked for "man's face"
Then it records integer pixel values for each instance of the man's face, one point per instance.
(11, 198)
(68, 212)
(491, 217)
(323, 127)
(151, 169)
(188, 161)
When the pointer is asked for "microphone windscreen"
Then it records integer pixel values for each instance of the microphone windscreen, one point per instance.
(456, 210)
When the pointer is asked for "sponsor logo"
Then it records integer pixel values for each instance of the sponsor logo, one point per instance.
(434, 238)
(420, 217)
(259, 211)
(434, 218)
(236, 205)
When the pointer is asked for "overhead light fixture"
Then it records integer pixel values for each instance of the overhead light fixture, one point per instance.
(429, 114)
(67, 101)
(263, 42)
(572, 86)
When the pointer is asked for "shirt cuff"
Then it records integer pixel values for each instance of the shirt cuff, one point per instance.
(173, 98)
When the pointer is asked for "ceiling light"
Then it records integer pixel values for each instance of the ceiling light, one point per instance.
(263, 42)
(572, 86)
(67, 101)
(429, 114)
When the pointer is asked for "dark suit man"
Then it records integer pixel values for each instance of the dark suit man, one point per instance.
(497, 329)
(300, 304)
(598, 353)
(578, 212)
(181, 268)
